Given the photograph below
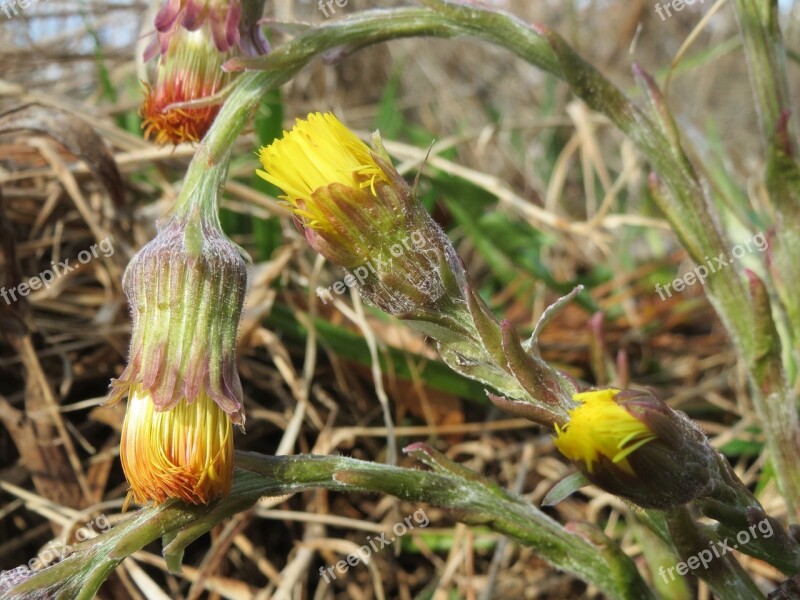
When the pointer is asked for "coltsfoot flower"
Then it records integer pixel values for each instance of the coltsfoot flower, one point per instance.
(357, 211)
(190, 70)
(184, 452)
(193, 40)
(635, 446)
(599, 427)
(186, 290)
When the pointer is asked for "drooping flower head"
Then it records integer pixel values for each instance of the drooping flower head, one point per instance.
(183, 452)
(231, 24)
(356, 210)
(633, 445)
(222, 17)
(190, 70)
(186, 290)
(193, 40)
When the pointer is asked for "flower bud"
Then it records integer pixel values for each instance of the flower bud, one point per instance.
(633, 445)
(186, 290)
(194, 38)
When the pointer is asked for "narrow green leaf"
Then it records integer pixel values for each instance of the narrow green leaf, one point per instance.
(564, 488)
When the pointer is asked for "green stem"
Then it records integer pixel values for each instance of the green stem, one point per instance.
(683, 202)
(200, 196)
(773, 397)
(766, 62)
(586, 553)
(580, 549)
(689, 213)
(694, 542)
(737, 512)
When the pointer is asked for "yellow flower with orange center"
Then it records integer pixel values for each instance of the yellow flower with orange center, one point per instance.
(599, 427)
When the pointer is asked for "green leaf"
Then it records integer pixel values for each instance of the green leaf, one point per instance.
(566, 487)
(389, 119)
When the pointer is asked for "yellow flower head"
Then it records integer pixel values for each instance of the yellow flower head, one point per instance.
(601, 427)
(184, 452)
(315, 154)
(356, 210)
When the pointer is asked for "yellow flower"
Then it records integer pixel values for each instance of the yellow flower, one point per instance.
(356, 210)
(183, 452)
(631, 444)
(599, 427)
(315, 154)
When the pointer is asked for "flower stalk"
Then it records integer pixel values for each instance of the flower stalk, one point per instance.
(579, 549)
(357, 211)
(678, 188)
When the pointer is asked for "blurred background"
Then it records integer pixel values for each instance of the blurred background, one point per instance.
(537, 192)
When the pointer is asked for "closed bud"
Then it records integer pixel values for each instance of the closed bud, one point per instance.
(194, 38)
(221, 17)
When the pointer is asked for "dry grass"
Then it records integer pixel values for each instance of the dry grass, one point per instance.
(500, 125)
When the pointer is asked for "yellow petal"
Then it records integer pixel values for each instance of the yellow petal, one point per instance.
(601, 427)
(317, 152)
